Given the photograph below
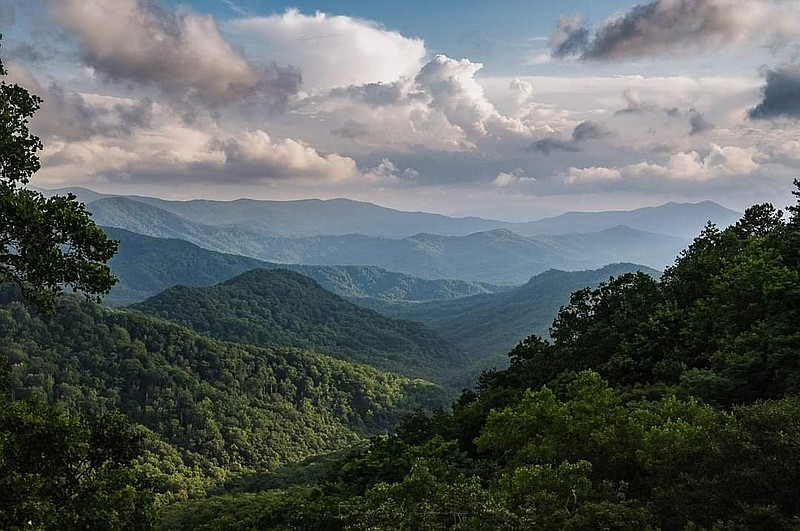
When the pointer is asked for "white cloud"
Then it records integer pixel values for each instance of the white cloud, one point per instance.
(442, 107)
(180, 52)
(516, 177)
(254, 155)
(331, 50)
(387, 171)
(790, 149)
(591, 175)
(720, 162)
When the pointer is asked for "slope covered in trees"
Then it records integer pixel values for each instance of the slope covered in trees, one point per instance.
(669, 403)
(279, 307)
(221, 408)
(489, 325)
(145, 266)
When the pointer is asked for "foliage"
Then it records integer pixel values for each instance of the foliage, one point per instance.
(56, 470)
(225, 408)
(45, 242)
(282, 308)
(486, 327)
(69, 471)
(656, 404)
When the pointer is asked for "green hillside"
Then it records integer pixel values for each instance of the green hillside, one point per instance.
(492, 324)
(279, 307)
(214, 408)
(146, 265)
(670, 403)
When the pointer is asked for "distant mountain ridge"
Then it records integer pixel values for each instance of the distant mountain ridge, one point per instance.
(676, 219)
(146, 265)
(498, 256)
(315, 217)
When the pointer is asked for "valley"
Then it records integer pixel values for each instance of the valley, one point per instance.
(399, 266)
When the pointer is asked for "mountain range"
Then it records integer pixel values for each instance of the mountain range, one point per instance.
(145, 266)
(315, 217)
(497, 256)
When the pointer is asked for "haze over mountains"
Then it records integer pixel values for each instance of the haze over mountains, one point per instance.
(315, 217)
(462, 248)
(145, 266)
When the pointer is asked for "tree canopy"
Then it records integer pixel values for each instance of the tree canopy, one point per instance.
(46, 243)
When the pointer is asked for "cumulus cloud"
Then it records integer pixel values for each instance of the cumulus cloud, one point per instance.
(683, 26)
(591, 174)
(442, 106)
(178, 154)
(332, 50)
(254, 155)
(780, 94)
(635, 105)
(719, 162)
(452, 89)
(386, 170)
(178, 51)
(513, 178)
(72, 116)
(379, 94)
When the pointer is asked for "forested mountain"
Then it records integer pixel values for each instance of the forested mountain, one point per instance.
(666, 403)
(145, 266)
(218, 408)
(489, 325)
(314, 217)
(283, 308)
(308, 217)
(498, 256)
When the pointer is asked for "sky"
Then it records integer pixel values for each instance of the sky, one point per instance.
(507, 109)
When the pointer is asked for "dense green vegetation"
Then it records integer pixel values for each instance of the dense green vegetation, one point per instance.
(656, 404)
(57, 470)
(282, 308)
(488, 326)
(46, 243)
(223, 408)
(145, 266)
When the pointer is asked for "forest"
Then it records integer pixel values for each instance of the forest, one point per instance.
(654, 404)
(665, 403)
(265, 402)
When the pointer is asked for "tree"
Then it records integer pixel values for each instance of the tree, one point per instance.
(70, 472)
(46, 243)
(57, 470)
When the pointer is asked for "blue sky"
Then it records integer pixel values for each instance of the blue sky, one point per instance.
(509, 109)
(492, 31)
